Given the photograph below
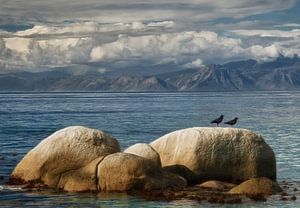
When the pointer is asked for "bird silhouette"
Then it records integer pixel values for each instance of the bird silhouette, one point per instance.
(218, 120)
(232, 122)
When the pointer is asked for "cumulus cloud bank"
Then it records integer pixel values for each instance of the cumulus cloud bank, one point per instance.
(187, 49)
(111, 34)
(89, 28)
(175, 47)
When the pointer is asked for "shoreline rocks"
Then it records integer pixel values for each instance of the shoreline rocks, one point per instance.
(80, 159)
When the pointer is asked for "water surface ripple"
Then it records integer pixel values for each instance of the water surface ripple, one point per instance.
(26, 118)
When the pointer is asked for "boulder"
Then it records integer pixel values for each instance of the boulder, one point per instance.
(225, 154)
(66, 157)
(257, 186)
(82, 179)
(128, 172)
(217, 185)
(144, 150)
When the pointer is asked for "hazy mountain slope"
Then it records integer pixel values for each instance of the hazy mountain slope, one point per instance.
(243, 75)
(281, 74)
(57, 81)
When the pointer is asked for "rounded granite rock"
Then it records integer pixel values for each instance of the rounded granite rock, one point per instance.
(128, 172)
(67, 159)
(225, 154)
(257, 186)
(217, 185)
(144, 150)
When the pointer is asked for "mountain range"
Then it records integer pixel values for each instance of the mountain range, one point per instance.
(280, 74)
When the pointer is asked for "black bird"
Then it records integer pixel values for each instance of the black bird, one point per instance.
(218, 120)
(232, 122)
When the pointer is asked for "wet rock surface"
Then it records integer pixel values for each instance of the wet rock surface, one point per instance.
(217, 185)
(201, 195)
(257, 186)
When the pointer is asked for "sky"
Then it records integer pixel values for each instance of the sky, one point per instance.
(106, 35)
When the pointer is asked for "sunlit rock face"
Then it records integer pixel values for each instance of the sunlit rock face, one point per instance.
(67, 159)
(144, 150)
(226, 154)
(127, 172)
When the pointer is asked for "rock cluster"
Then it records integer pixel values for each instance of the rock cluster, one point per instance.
(81, 159)
(66, 159)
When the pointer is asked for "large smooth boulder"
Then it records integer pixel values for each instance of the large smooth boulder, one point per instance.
(144, 150)
(128, 172)
(67, 159)
(257, 186)
(225, 154)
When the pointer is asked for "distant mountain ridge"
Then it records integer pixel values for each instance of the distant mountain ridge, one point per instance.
(281, 74)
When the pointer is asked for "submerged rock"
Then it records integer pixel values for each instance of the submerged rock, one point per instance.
(217, 185)
(257, 186)
(144, 150)
(226, 154)
(127, 172)
(67, 159)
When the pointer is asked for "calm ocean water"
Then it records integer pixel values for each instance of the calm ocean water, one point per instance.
(25, 119)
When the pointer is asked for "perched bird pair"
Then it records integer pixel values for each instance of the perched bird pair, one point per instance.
(220, 119)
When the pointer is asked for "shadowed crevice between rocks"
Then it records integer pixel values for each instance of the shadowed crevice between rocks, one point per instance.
(96, 176)
(184, 172)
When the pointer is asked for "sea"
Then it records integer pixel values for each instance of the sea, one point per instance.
(27, 118)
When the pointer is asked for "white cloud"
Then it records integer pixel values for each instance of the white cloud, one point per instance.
(20, 45)
(101, 70)
(179, 46)
(89, 28)
(194, 64)
(269, 33)
(289, 25)
(187, 49)
(54, 52)
(264, 53)
(165, 24)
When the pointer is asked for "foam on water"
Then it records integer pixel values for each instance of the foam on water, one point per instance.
(10, 188)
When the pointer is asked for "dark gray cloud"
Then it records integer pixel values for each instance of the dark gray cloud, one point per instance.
(132, 10)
